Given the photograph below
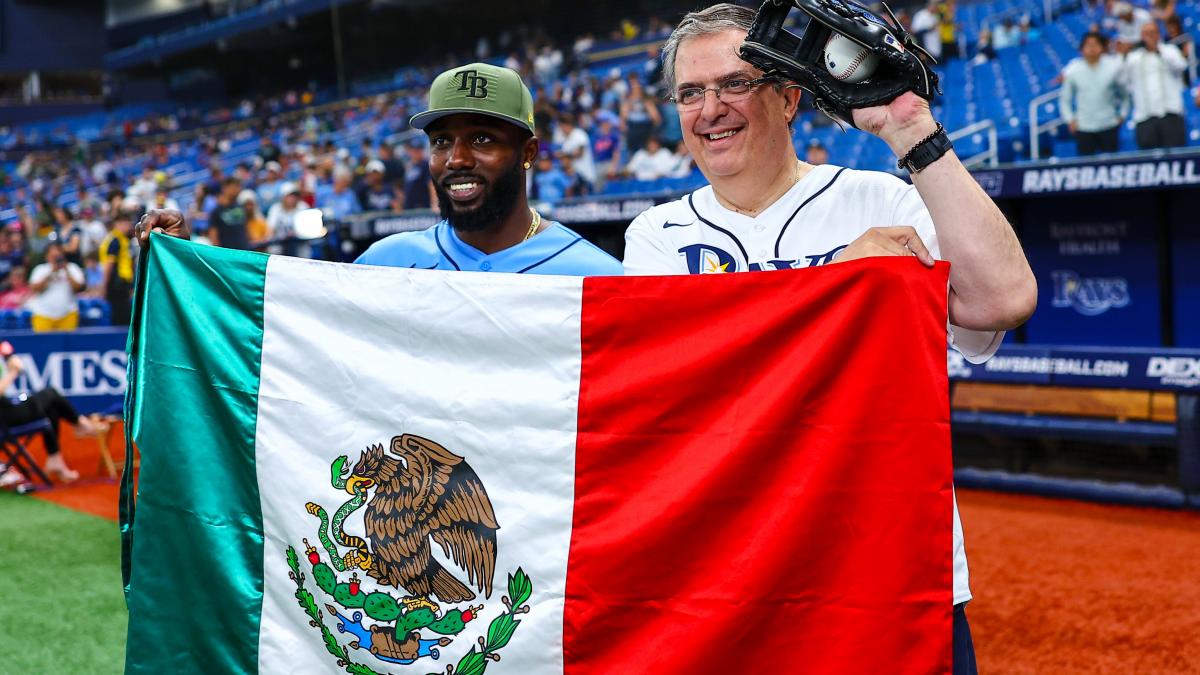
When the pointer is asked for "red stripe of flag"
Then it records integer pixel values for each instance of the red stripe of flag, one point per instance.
(763, 474)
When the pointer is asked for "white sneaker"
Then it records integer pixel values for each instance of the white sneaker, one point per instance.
(57, 467)
(11, 477)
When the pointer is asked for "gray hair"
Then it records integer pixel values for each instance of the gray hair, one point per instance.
(709, 21)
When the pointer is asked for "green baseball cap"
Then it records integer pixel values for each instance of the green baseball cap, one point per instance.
(478, 88)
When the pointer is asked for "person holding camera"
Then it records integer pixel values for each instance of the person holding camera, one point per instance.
(1153, 74)
(54, 284)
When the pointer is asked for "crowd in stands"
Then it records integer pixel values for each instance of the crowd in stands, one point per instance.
(67, 211)
(1135, 63)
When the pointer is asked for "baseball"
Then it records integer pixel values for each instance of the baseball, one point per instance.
(847, 60)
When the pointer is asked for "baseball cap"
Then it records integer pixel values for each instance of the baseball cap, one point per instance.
(247, 196)
(479, 88)
(376, 165)
(289, 188)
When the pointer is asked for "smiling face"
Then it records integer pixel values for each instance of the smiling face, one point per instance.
(476, 163)
(728, 139)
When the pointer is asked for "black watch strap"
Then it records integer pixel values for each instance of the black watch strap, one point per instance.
(928, 151)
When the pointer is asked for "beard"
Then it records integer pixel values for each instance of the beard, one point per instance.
(499, 199)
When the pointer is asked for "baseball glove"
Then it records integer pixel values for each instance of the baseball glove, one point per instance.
(902, 63)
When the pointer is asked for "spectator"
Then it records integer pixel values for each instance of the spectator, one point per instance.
(669, 130)
(606, 145)
(375, 194)
(639, 114)
(683, 162)
(339, 201)
(93, 276)
(46, 403)
(282, 217)
(1091, 96)
(162, 198)
(652, 71)
(549, 183)
(418, 182)
(268, 188)
(1163, 10)
(17, 291)
(816, 153)
(651, 162)
(393, 167)
(117, 262)
(53, 286)
(948, 31)
(984, 51)
(1129, 23)
(267, 150)
(144, 187)
(577, 185)
(1177, 36)
(577, 145)
(1005, 35)
(924, 28)
(92, 230)
(227, 222)
(1153, 74)
(256, 224)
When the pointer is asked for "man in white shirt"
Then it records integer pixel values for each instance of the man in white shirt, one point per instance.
(576, 144)
(1153, 74)
(54, 284)
(652, 161)
(925, 28)
(1091, 96)
(766, 210)
(1130, 21)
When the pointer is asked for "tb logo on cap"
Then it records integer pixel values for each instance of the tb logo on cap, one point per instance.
(473, 83)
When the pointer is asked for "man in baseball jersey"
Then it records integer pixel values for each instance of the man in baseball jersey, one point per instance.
(481, 138)
(766, 210)
(481, 143)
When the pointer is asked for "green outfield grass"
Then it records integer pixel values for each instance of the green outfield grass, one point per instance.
(61, 608)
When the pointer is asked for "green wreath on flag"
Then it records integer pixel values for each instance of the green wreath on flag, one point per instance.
(384, 607)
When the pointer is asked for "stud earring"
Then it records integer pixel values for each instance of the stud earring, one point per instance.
(528, 166)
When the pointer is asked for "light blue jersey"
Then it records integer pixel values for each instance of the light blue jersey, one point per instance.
(555, 250)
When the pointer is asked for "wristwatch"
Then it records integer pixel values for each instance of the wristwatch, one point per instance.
(927, 151)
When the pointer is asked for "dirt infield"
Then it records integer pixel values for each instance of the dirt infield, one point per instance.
(1069, 587)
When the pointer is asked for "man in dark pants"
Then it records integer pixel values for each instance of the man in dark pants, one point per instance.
(1091, 96)
(1153, 73)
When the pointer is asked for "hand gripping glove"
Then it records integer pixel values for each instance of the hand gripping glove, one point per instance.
(901, 61)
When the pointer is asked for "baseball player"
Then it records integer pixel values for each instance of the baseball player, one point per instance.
(766, 210)
(481, 139)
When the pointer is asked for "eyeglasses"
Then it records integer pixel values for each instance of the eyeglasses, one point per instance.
(729, 91)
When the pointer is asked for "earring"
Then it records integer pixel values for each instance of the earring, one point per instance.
(528, 166)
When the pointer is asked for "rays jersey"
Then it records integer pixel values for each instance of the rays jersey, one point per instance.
(554, 250)
(821, 215)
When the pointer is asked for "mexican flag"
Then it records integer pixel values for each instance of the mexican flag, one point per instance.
(354, 469)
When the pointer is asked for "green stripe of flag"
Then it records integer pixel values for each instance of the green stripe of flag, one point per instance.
(198, 351)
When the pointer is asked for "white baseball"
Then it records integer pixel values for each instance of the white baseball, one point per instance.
(847, 60)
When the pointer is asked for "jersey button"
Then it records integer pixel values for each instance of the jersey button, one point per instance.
(485, 266)
(759, 227)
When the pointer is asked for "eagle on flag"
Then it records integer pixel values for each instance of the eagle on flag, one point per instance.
(423, 493)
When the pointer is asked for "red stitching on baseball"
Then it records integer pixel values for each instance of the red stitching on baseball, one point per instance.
(862, 54)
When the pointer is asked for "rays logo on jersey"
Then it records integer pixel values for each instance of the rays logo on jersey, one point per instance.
(709, 259)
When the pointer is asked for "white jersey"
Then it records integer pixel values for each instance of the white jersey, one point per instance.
(821, 215)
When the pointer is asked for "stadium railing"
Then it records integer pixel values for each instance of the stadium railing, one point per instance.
(1142, 396)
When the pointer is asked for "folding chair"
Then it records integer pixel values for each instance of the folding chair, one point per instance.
(14, 454)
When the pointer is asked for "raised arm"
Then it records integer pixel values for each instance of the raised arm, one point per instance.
(991, 284)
